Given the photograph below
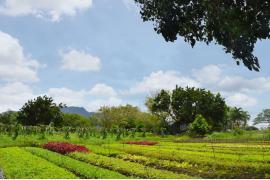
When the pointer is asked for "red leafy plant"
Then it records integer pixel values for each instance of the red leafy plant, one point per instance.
(65, 147)
(149, 143)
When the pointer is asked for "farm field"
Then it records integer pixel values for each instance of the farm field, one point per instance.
(25, 157)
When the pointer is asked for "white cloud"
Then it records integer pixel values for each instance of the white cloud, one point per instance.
(67, 96)
(14, 64)
(91, 102)
(238, 83)
(207, 74)
(241, 100)
(162, 80)
(102, 90)
(96, 104)
(79, 61)
(52, 9)
(14, 95)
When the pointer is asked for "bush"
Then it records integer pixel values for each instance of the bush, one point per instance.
(251, 128)
(64, 147)
(199, 126)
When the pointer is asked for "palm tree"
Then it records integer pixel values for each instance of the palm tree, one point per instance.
(238, 117)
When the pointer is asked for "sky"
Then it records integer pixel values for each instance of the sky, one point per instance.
(91, 53)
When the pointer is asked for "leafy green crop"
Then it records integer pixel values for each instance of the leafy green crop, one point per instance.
(17, 163)
(127, 168)
(83, 170)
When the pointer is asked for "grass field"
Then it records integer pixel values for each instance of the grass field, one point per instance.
(170, 158)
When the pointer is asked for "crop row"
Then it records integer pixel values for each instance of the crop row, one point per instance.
(178, 167)
(83, 170)
(208, 154)
(241, 169)
(127, 168)
(17, 163)
(243, 149)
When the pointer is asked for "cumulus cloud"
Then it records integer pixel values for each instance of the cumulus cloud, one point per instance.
(92, 100)
(238, 83)
(14, 95)
(241, 100)
(96, 104)
(207, 74)
(102, 90)
(79, 61)
(14, 64)
(52, 9)
(67, 96)
(162, 80)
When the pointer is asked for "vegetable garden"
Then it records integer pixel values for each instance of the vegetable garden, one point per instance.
(46, 152)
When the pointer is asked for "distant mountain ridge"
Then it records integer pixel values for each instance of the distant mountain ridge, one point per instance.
(77, 110)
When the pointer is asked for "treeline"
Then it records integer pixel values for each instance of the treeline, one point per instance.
(183, 110)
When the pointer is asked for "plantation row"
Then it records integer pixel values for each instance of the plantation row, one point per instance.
(84, 133)
(128, 159)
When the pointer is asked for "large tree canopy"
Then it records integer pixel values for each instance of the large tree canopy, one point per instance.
(182, 105)
(41, 110)
(236, 25)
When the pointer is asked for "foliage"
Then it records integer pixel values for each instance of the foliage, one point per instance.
(19, 164)
(124, 117)
(148, 143)
(263, 117)
(199, 126)
(8, 117)
(127, 168)
(41, 110)
(84, 170)
(237, 118)
(202, 156)
(64, 147)
(235, 25)
(182, 105)
(251, 128)
(75, 120)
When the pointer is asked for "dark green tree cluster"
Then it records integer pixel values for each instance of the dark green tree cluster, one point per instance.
(235, 25)
(9, 117)
(180, 107)
(40, 111)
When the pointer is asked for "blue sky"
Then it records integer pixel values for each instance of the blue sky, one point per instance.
(99, 52)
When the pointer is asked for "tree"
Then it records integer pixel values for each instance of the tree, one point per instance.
(125, 117)
(75, 120)
(182, 105)
(41, 110)
(263, 117)
(199, 126)
(9, 117)
(235, 25)
(237, 117)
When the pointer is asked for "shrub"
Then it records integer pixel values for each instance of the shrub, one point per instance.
(199, 126)
(251, 128)
(64, 147)
(149, 143)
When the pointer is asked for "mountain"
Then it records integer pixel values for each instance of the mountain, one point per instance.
(77, 110)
